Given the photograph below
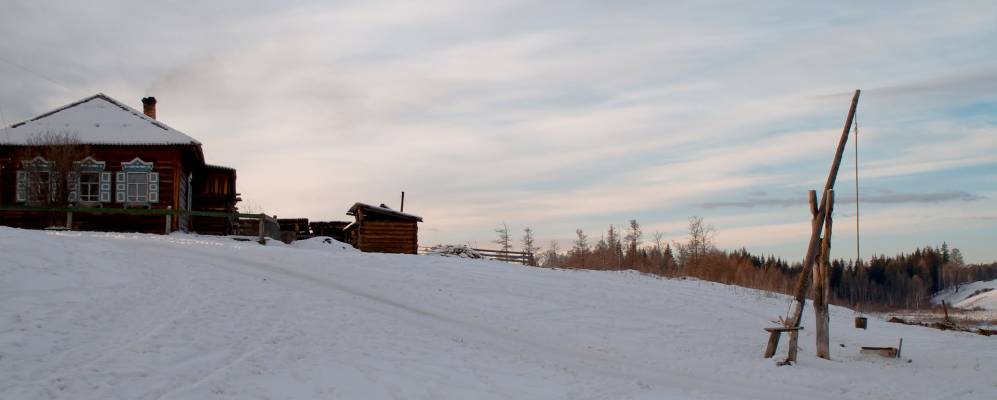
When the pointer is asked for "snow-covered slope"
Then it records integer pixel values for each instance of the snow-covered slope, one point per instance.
(123, 316)
(971, 295)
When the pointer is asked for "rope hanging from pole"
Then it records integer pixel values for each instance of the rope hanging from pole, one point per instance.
(858, 252)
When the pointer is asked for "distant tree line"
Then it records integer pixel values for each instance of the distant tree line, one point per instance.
(900, 281)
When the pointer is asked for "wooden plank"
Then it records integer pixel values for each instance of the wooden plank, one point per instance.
(406, 238)
(367, 230)
(783, 329)
(387, 233)
(888, 352)
(402, 232)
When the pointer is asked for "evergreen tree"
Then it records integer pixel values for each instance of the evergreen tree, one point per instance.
(633, 238)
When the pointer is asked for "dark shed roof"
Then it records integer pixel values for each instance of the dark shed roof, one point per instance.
(382, 210)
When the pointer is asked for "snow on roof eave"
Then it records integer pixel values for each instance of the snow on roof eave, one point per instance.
(187, 139)
(382, 210)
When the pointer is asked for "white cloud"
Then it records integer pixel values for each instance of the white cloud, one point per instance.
(557, 114)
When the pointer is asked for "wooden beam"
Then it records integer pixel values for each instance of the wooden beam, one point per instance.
(821, 282)
(794, 335)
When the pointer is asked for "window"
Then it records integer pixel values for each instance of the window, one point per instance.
(136, 183)
(88, 183)
(89, 186)
(39, 186)
(138, 187)
(35, 183)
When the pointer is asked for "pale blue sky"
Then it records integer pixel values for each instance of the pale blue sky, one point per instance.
(557, 115)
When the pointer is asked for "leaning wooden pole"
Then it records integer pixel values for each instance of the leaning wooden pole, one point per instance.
(794, 335)
(799, 298)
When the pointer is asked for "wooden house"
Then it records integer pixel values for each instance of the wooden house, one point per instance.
(214, 190)
(99, 153)
(380, 229)
(292, 229)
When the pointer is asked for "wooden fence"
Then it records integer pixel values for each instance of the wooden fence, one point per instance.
(507, 256)
(265, 226)
(518, 257)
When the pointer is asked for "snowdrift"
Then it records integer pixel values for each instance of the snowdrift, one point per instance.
(129, 316)
(323, 243)
(982, 295)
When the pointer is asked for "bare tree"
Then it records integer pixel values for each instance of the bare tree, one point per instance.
(551, 258)
(504, 240)
(956, 258)
(529, 247)
(51, 166)
(699, 245)
(658, 238)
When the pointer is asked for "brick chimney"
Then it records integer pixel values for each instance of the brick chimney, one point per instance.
(149, 106)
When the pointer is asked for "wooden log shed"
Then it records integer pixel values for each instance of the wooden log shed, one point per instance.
(380, 229)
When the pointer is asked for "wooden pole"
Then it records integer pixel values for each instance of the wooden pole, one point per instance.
(168, 215)
(262, 219)
(799, 298)
(69, 220)
(821, 283)
(794, 335)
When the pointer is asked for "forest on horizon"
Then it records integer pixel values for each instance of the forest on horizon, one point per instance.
(905, 280)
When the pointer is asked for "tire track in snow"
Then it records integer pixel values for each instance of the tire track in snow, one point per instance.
(602, 364)
(92, 356)
(248, 347)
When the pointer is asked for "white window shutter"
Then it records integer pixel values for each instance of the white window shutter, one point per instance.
(120, 187)
(22, 186)
(74, 186)
(105, 187)
(153, 187)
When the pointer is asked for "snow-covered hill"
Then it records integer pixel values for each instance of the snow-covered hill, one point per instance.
(125, 316)
(973, 295)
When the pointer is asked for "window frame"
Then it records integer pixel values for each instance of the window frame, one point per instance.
(38, 194)
(141, 194)
(96, 188)
(92, 193)
(32, 170)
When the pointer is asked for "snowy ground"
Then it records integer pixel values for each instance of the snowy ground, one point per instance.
(124, 316)
(982, 295)
(975, 305)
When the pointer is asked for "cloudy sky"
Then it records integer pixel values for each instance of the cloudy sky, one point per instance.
(559, 114)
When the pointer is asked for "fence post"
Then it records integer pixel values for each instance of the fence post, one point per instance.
(262, 240)
(169, 212)
(69, 220)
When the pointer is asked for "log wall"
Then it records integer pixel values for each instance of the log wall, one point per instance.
(388, 237)
(169, 161)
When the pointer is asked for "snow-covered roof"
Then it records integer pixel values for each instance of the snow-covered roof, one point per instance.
(221, 167)
(97, 119)
(382, 209)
